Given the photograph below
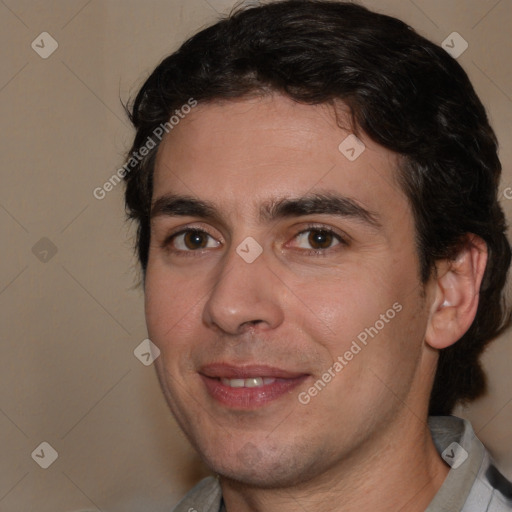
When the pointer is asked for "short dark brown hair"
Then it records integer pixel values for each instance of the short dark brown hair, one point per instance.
(404, 92)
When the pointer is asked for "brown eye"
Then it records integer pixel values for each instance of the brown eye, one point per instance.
(320, 239)
(195, 239)
(190, 240)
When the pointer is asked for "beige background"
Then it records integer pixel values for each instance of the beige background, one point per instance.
(70, 324)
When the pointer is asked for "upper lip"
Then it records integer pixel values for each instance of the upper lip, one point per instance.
(245, 371)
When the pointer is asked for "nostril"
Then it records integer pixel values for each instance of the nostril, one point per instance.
(251, 323)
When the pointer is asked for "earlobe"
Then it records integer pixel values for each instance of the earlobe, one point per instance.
(456, 293)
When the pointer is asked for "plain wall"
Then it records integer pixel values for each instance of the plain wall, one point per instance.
(70, 321)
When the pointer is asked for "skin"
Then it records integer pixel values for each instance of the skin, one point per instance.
(299, 311)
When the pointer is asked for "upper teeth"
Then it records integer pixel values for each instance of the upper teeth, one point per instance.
(253, 382)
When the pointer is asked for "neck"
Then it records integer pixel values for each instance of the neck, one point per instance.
(399, 470)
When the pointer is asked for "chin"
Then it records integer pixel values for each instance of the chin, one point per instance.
(259, 477)
(252, 467)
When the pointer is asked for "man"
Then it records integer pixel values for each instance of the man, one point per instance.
(324, 257)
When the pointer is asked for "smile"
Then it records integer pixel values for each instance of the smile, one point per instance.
(248, 386)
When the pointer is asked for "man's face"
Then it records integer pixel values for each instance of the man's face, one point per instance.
(244, 336)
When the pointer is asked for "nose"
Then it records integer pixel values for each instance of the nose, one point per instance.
(244, 295)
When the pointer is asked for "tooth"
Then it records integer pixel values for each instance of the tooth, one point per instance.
(233, 383)
(253, 382)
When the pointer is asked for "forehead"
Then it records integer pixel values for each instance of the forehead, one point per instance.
(241, 153)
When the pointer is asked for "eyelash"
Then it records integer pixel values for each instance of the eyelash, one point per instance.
(310, 227)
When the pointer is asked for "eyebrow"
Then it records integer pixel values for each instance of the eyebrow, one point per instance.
(327, 203)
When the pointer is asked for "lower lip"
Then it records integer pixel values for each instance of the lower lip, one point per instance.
(250, 398)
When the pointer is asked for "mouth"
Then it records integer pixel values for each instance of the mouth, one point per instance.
(249, 386)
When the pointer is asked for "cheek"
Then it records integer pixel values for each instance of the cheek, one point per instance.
(380, 324)
(346, 307)
(166, 303)
(166, 320)
(154, 306)
(394, 345)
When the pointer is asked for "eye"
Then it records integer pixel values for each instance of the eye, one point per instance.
(319, 239)
(316, 239)
(189, 240)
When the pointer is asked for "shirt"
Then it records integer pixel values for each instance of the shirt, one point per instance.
(473, 483)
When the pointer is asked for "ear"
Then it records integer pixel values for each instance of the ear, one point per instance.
(456, 292)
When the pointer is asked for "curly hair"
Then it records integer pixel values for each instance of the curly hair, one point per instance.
(405, 92)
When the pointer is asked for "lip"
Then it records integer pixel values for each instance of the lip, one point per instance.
(248, 398)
